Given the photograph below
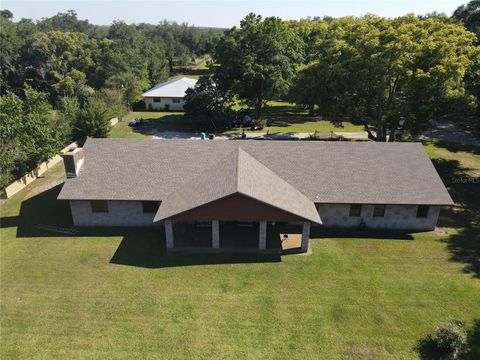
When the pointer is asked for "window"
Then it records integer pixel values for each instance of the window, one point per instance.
(422, 211)
(150, 206)
(355, 210)
(176, 100)
(156, 99)
(99, 206)
(379, 211)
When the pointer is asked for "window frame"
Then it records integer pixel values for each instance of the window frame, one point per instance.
(354, 213)
(375, 210)
(155, 206)
(157, 99)
(99, 206)
(420, 214)
(176, 100)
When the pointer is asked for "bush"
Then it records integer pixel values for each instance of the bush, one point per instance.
(93, 120)
(261, 122)
(450, 338)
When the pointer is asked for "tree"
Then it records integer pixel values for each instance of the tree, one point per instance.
(72, 84)
(114, 98)
(12, 155)
(130, 85)
(469, 15)
(7, 14)
(27, 132)
(10, 45)
(206, 105)
(67, 22)
(383, 71)
(68, 110)
(257, 61)
(58, 62)
(93, 120)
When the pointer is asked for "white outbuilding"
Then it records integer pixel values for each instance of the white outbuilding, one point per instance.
(168, 95)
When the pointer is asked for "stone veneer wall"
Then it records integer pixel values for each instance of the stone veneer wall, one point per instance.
(120, 213)
(397, 217)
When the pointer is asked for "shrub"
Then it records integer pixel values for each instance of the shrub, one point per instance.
(450, 338)
(261, 122)
(93, 120)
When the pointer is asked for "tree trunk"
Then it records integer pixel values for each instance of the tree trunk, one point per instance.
(370, 134)
(379, 123)
(170, 65)
(258, 107)
(393, 129)
(311, 109)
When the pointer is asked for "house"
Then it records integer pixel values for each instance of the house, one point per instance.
(125, 182)
(168, 95)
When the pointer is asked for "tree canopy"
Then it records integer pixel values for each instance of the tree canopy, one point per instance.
(207, 105)
(384, 71)
(27, 133)
(257, 61)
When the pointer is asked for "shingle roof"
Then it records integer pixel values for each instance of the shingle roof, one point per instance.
(326, 172)
(172, 88)
(238, 172)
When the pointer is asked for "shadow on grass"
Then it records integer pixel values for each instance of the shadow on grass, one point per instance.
(189, 71)
(456, 147)
(43, 215)
(150, 253)
(464, 245)
(171, 122)
(174, 122)
(427, 351)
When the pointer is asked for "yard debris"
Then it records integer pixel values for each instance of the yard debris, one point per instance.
(57, 229)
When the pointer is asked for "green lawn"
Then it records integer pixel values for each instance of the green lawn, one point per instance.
(153, 122)
(281, 117)
(113, 294)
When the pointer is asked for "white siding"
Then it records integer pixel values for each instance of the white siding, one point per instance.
(161, 105)
(120, 213)
(397, 217)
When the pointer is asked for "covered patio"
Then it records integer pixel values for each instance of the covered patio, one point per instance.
(234, 236)
(241, 205)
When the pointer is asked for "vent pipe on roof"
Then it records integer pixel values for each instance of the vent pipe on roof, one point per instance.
(73, 161)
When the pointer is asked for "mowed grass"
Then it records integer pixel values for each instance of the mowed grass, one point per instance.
(153, 122)
(285, 117)
(281, 117)
(112, 293)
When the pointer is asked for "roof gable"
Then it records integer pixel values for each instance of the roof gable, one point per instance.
(238, 173)
(236, 207)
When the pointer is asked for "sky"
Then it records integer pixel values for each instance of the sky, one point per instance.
(220, 13)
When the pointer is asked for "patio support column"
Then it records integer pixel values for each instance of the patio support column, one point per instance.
(305, 235)
(215, 234)
(262, 236)
(169, 234)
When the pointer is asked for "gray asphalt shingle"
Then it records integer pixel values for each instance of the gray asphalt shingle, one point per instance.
(325, 172)
(238, 172)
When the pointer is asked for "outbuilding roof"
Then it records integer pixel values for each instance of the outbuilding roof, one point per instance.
(172, 88)
(325, 172)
